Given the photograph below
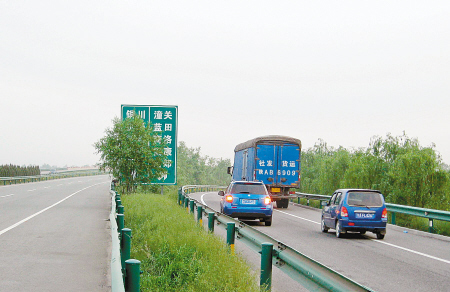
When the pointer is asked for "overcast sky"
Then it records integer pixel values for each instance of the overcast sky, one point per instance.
(341, 71)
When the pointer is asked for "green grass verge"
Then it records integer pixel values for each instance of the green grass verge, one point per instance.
(176, 253)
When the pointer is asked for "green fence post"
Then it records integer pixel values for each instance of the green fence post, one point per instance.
(186, 202)
(393, 218)
(133, 275)
(120, 209)
(211, 219)
(200, 215)
(266, 266)
(307, 202)
(118, 203)
(191, 206)
(230, 235)
(430, 225)
(125, 245)
(120, 224)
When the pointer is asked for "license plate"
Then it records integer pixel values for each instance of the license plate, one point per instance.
(248, 202)
(276, 190)
(364, 215)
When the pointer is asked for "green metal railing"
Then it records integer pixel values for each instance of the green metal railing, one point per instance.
(431, 214)
(45, 177)
(308, 272)
(125, 272)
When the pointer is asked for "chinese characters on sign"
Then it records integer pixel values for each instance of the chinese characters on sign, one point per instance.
(163, 119)
(288, 168)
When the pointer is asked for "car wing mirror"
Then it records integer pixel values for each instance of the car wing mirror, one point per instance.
(221, 193)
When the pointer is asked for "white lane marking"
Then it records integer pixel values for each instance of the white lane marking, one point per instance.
(298, 217)
(413, 251)
(59, 185)
(383, 242)
(31, 190)
(47, 187)
(43, 210)
(6, 196)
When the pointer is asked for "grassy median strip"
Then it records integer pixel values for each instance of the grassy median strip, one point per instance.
(176, 253)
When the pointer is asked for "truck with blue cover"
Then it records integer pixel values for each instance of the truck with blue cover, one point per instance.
(273, 160)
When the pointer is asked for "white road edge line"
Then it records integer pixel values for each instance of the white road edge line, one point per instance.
(43, 210)
(201, 198)
(382, 242)
(6, 196)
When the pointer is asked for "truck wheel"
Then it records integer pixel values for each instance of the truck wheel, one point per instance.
(285, 203)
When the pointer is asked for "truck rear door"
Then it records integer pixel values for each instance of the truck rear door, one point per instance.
(266, 164)
(288, 165)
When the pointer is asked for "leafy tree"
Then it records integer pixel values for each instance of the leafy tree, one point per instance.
(399, 167)
(132, 152)
(195, 169)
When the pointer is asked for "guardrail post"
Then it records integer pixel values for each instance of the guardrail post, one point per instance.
(186, 203)
(266, 267)
(200, 215)
(393, 221)
(125, 245)
(211, 219)
(120, 209)
(230, 235)
(120, 224)
(430, 226)
(191, 206)
(307, 202)
(133, 275)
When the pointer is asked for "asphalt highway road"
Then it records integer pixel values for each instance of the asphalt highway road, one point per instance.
(54, 235)
(406, 260)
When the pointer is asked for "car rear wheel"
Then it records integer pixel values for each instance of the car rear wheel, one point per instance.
(339, 233)
(323, 227)
(379, 235)
(268, 222)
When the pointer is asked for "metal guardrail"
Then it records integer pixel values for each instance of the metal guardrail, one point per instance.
(125, 272)
(116, 266)
(44, 177)
(311, 274)
(431, 214)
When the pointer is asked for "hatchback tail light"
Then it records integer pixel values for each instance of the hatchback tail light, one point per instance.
(267, 200)
(384, 214)
(344, 212)
(229, 198)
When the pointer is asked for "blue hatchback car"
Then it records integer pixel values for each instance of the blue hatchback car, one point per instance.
(247, 200)
(355, 210)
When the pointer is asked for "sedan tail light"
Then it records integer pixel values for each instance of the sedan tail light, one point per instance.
(384, 214)
(344, 212)
(267, 200)
(229, 198)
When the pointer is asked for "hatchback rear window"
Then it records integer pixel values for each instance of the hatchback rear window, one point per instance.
(369, 199)
(248, 189)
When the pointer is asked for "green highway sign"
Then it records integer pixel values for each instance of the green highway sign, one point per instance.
(164, 120)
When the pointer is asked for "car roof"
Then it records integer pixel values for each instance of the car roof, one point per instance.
(247, 182)
(357, 190)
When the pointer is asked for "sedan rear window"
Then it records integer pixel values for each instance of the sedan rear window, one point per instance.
(368, 199)
(248, 189)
